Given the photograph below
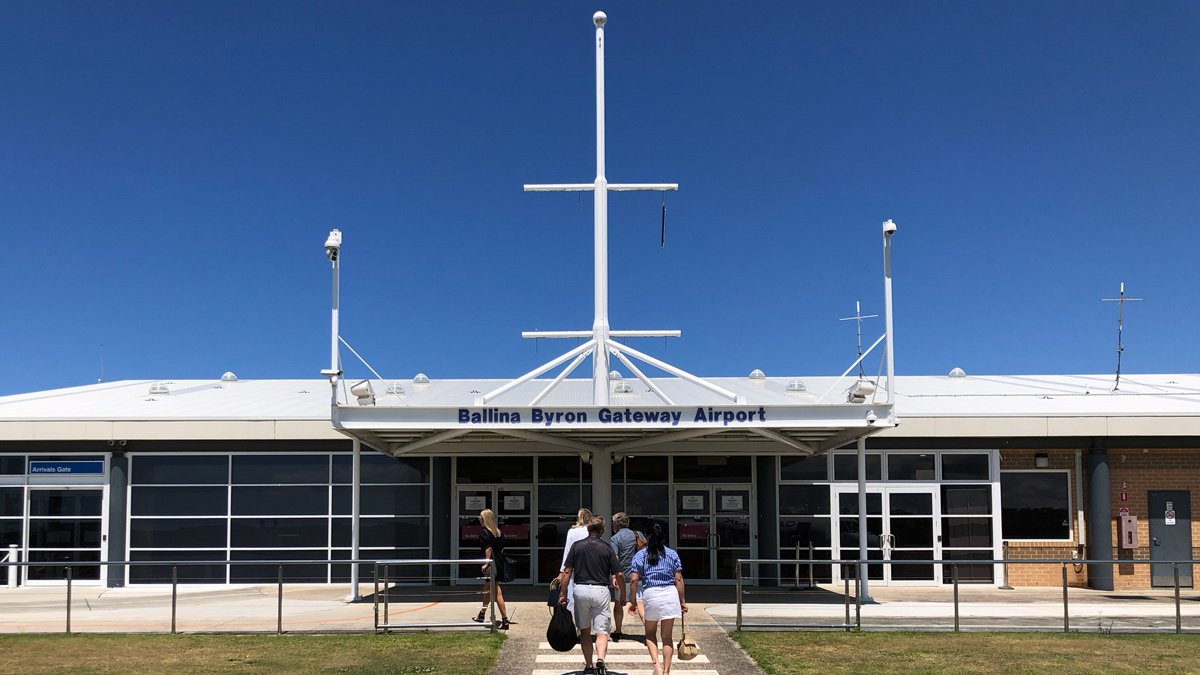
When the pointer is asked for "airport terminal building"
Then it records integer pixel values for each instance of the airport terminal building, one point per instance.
(254, 470)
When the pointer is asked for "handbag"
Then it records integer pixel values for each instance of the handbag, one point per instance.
(639, 541)
(561, 633)
(506, 570)
(687, 649)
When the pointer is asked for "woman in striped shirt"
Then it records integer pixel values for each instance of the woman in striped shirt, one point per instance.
(658, 570)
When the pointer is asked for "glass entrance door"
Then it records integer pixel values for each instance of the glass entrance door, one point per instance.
(65, 525)
(902, 524)
(713, 529)
(513, 506)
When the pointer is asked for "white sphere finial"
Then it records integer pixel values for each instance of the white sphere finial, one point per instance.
(599, 18)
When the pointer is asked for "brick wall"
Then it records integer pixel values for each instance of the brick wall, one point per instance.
(1133, 471)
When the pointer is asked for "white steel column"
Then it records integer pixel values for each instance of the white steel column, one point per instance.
(863, 594)
(602, 483)
(889, 228)
(355, 490)
(600, 197)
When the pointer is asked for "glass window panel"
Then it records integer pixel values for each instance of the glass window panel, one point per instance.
(652, 469)
(804, 500)
(387, 532)
(848, 503)
(378, 468)
(848, 528)
(966, 500)
(815, 467)
(56, 572)
(495, 469)
(273, 469)
(618, 498)
(969, 574)
(280, 500)
(647, 500)
(910, 504)
(910, 467)
(12, 466)
(804, 574)
(912, 532)
(315, 573)
(383, 500)
(803, 531)
(179, 469)
(845, 467)
(513, 503)
(12, 501)
(1035, 505)
(707, 469)
(967, 532)
(179, 501)
(10, 532)
(64, 502)
(400, 573)
(279, 532)
(558, 469)
(186, 574)
(912, 571)
(560, 499)
(47, 533)
(553, 531)
(965, 467)
(177, 533)
(850, 570)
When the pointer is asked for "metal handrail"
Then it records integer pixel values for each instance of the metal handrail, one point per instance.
(954, 565)
(387, 626)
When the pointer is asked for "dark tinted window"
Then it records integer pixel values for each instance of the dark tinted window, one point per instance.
(177, 533)
(804, 500)
(186, 574)
(314, 573)
(803, 531)
(281, 500)
(391, 532)
(281, 468)
(279, 532)
(974, 499)
(12, 466)
(45, 533)
(378, 468)
(647, 500)
(967, 532)
(804, 468)
(384, 500)
(558, 469)
(1035, 505)
(495, 469)
(645, 470)
(64, 502)
(965, 467)
(12, 501)
(845, 467)
(848, 504)
(910, 467)
(564, 499)
(181, 469)
(10, 532)
(179, 501)
(714, 468)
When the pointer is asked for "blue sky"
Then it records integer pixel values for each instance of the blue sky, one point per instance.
(169, 171)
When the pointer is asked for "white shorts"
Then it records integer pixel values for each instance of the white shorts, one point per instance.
(662, 602)
(592, 608)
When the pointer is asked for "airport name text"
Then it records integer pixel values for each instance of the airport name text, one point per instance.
(549, 418)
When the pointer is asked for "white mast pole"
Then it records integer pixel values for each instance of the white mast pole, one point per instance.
(600, 194)
(889, 229)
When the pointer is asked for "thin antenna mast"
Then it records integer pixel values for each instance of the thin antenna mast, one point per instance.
(101, 378)
(1120, 325)
(858, 319)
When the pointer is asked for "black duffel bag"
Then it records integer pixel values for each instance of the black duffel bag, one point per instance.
(561, 633)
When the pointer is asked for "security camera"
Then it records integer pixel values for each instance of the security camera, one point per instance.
(889, 227)
(871, 418)
(111, 443)
(333, 244)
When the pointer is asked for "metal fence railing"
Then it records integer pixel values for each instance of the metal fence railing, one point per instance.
(750, 570)
(435, 577)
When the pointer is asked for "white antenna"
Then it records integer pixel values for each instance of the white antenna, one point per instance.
(600, 343)
(858, 319)
(1120, 323)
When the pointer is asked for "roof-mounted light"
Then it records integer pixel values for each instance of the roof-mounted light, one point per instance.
(421, 378)
(796, 387)
(160, 389)
(395, 389)
(229, 376)
(757, 375)
(958, 372)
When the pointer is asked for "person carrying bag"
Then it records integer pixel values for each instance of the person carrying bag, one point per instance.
(687, 649)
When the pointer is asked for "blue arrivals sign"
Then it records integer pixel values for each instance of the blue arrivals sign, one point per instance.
(63, 468)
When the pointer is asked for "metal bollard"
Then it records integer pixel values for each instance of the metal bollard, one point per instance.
(279, 605)
(375, 581)
(846, 596)
(1178, 618)
(857, 606)
(954, 573)
(14, 555)
(811, 582)
(1066, 606)
(174, 594)
(492, 600)
(68, 599)
(796, 571)
(738, 595)
(1006, 586)
(386, 593)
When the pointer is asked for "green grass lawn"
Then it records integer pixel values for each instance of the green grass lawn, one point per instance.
(461, 654)
(811, 652)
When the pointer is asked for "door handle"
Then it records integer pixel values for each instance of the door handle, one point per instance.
(1155, 541)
